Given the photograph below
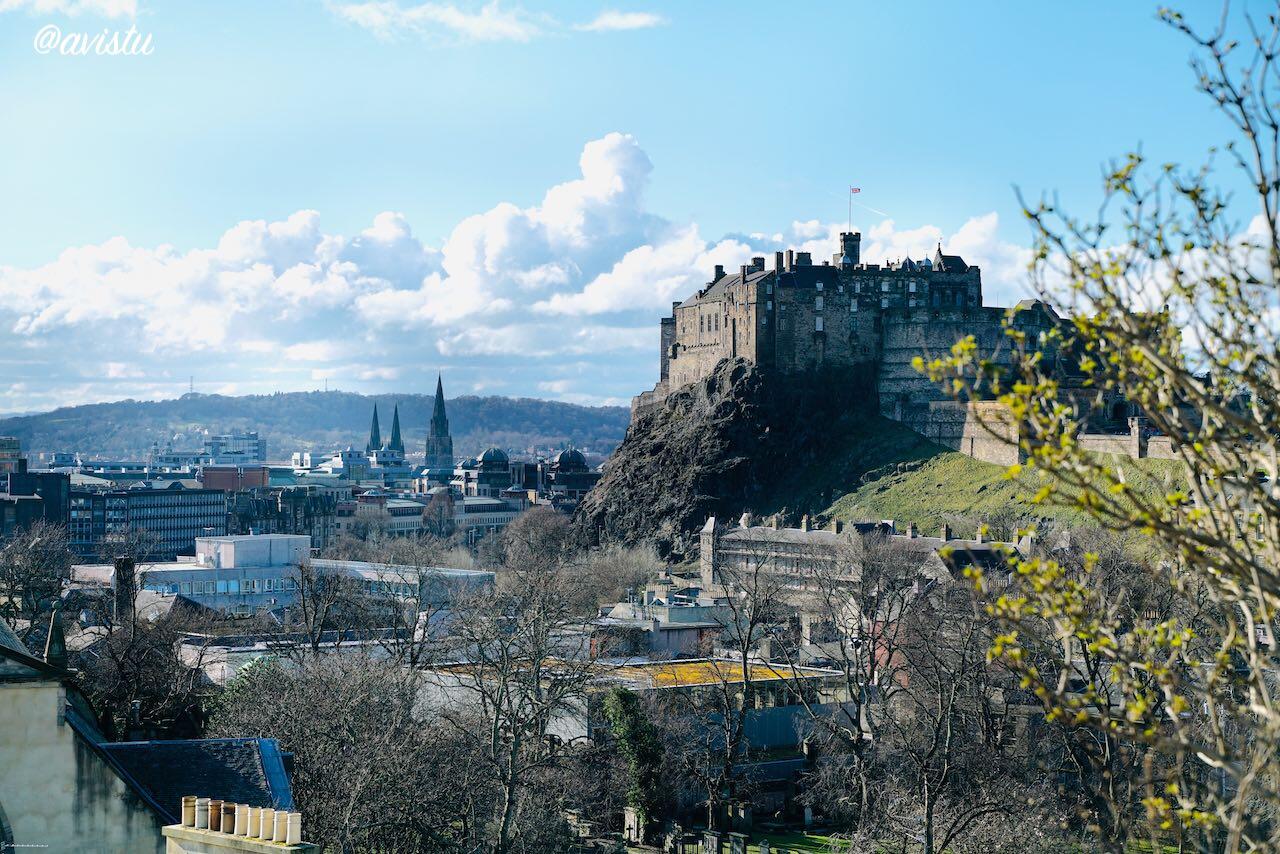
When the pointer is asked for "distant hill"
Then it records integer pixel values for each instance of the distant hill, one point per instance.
(315, 421)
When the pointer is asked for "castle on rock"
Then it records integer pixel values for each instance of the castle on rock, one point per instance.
(847, 313)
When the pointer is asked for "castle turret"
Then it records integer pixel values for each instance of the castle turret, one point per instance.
(850, 249)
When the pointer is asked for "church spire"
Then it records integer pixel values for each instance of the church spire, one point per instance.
(396, 443)
(439, 442)
(439, 421)
(375, 435)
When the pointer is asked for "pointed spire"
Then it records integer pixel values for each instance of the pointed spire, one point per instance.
(396, 443)
(375, 435)
(55, 646)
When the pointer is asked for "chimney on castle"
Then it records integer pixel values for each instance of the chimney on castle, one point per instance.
(743, 271)
(777, 261)
(804, 259)
(791, 260)
(757, 262)
(946, 532)
(719, 273)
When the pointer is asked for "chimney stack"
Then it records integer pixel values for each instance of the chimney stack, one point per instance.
(777, 262)
(946, 532)
(758, 262)
(911, 530)
(743, 271)
(804, 522)
(719, 274)
(804, 259)
(791, 260)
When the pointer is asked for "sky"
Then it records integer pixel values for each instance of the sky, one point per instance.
(284, 195)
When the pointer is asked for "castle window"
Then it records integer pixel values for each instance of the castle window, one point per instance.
(699, 323)
(819, 285)
(768, 306)
(853, 305)
(839, 289)
(884, 286)
(817, 324)
(817, 302)
(911, 286)
(884, 302)
(912, 302)
(768, 288)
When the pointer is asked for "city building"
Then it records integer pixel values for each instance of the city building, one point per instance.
(245, 575)
(11, 458)
(172, 515)
(65, 787)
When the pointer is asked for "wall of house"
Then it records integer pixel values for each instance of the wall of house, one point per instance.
(56, 791)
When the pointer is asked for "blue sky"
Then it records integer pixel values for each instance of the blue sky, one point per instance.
(288, 192)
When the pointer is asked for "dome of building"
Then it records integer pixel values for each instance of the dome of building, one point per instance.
(571, 459)
(493, 457)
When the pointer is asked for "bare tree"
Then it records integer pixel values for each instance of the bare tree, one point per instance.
(35, 565)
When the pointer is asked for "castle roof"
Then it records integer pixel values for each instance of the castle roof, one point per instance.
(800, 276)
(949, 263)
(714, 292)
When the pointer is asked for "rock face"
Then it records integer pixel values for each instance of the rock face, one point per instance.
(739, 439)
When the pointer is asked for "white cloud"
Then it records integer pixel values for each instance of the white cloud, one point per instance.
(511, 297)
(611, 20)
(488, 23)
(103, 8)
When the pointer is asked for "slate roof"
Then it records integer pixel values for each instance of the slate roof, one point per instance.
(244, 770)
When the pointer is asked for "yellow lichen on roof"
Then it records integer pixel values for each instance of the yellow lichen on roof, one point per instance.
(674, 674)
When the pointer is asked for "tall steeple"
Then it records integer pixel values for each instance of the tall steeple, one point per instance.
(375, 435)
(439, 442)
(396, 443)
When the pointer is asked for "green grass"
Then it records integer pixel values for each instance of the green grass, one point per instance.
(932, 485)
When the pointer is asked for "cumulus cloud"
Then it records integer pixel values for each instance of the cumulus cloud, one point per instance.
(612, 20)
(488, 23)
(103, 8)
(510, 297)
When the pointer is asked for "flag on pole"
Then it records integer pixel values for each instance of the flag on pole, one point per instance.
(855, 190)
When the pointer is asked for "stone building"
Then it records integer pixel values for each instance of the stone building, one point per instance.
(849, 313)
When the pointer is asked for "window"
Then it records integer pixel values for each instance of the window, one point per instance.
(884, 286)
(233, 586)
(185, 588)
(768, 288)
(853, 305)
(817, 324)
(817, 302)
(819, 285)
(222, 586)
(768, 306)
(884, 302)
(911, 286)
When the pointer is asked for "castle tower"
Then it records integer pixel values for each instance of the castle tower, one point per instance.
(439, 442)
(850, 250)
(375, 435)
(395, 443)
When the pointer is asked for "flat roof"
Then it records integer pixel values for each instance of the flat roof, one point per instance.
(709, 671)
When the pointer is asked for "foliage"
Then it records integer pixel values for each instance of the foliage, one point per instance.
(1175, 307)
(638, 742)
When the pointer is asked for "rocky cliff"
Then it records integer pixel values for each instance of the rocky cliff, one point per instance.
(742, 439)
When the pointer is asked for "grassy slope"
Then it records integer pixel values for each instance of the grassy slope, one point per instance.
(929, 485)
